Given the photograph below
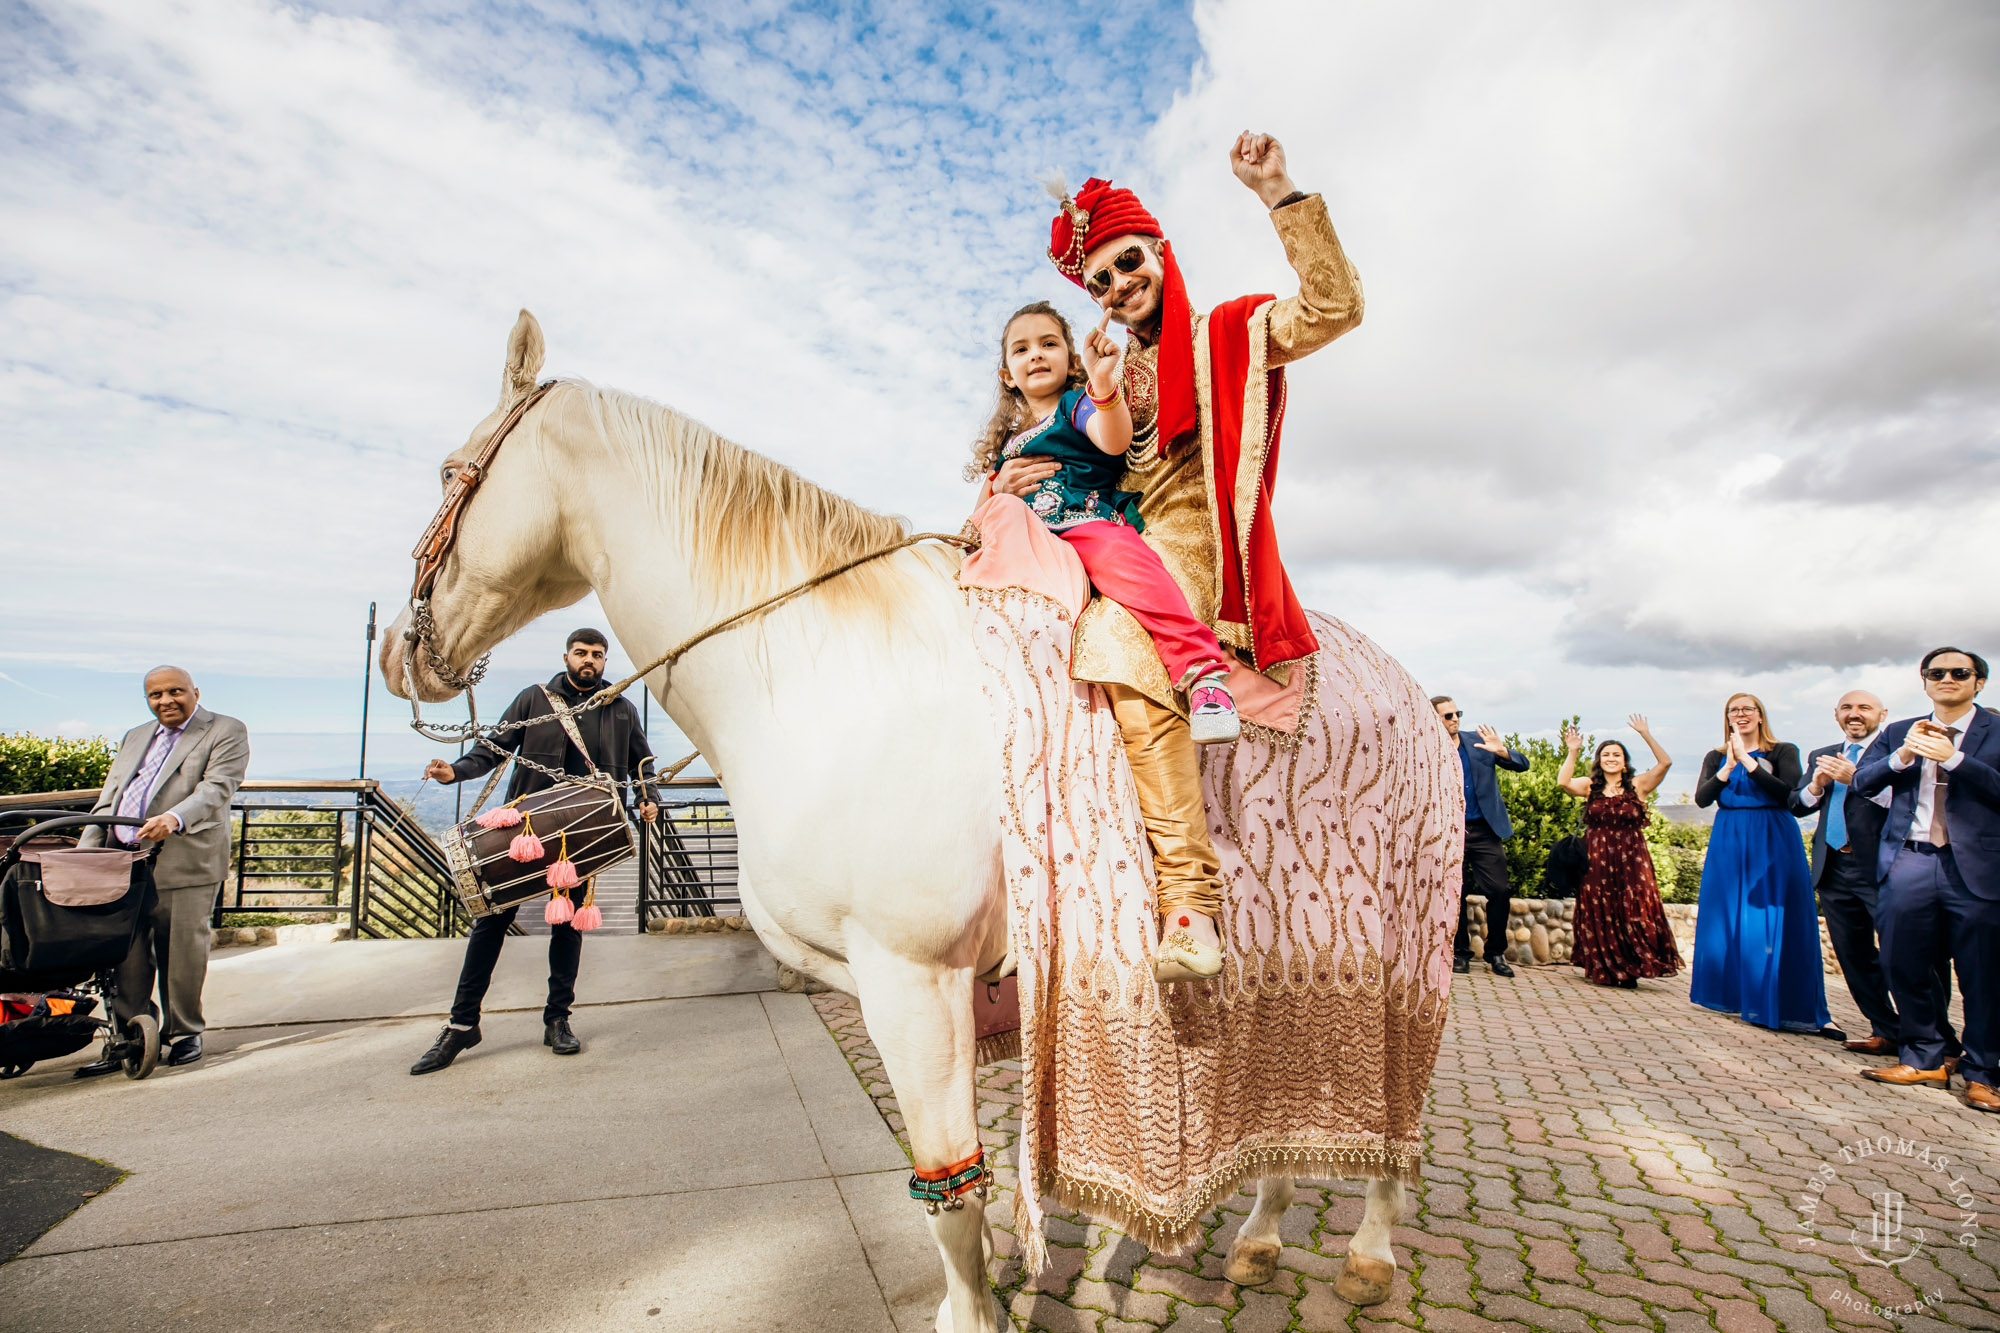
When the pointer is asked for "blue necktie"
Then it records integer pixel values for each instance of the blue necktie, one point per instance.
(1836, 804)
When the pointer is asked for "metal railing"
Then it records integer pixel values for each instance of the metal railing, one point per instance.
(325, 851)
(687, 857)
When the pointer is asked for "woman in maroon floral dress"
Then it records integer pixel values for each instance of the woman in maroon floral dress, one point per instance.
(1621, 930)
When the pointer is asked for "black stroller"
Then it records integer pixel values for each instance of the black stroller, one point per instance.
(68, 916)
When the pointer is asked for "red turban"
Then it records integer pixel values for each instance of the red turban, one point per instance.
(1100, 213)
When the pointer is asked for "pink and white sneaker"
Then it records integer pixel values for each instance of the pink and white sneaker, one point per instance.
(1212, 712)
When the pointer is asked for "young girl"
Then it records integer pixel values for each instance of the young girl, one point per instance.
(1053, 405)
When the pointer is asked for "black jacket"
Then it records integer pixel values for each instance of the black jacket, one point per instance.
(1864, 817)
(617, 741)
(1778, 781)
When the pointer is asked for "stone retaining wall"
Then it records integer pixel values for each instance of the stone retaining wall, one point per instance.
(1540, 931)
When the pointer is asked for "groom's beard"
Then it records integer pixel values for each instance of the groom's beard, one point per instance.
(585, 679)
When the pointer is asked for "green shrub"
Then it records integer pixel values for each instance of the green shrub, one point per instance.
(1678, 851)
(31, 763)
(1542, 813)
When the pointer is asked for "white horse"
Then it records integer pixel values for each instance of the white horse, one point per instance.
(848, 725)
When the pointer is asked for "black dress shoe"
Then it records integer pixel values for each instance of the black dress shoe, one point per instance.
(185, 1051)
(446, 1048)
(1500, 966)
(1461, 964)
(558, 1037)
(98, 1068)
(1629, 983)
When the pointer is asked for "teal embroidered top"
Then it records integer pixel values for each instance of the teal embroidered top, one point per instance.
(1085, 489)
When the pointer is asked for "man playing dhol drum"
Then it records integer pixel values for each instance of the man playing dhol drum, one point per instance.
(617, 741)
(1206, 394)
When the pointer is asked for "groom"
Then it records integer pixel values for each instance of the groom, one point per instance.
(1207, 394)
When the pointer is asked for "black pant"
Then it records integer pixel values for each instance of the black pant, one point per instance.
(1485, 872)
(482, 951)
(1847, 901)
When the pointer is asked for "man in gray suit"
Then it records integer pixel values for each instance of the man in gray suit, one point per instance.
(178, 773)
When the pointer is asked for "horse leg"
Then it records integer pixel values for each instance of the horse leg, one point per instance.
(1371, 1263)
(920, 1019)
(1253, 1255)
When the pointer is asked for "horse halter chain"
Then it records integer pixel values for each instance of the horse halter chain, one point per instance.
(944, 1188)
(436, 544)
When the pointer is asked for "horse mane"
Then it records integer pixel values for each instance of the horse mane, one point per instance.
(752, 526)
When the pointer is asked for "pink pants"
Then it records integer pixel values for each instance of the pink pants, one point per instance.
(1122, 567)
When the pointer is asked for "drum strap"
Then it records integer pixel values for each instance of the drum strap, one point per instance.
(575, 736)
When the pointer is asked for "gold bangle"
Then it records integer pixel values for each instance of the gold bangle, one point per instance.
(1101, 403)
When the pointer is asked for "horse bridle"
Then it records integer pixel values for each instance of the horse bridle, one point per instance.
(432, 548)
(436, 544)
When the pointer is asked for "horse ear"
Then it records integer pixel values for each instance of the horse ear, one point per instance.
(524, 360)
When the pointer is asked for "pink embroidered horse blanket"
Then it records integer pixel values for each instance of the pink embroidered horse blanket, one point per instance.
(1145, 1105)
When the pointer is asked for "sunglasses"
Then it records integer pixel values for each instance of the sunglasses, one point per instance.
(1451, 717)
(1954, 673)
(1125, 261)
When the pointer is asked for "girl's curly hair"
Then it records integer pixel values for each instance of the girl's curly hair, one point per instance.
(1010, 413)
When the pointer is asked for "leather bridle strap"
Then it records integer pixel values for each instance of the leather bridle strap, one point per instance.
(437, 540)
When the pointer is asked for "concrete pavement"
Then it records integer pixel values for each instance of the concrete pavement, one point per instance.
(708, 1162)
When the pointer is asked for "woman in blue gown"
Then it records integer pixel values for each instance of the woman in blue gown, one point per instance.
(1756, 935)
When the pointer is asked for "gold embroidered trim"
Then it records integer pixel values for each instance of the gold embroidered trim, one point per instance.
(1253, 447)
(1355, 1158)
(1288, 741)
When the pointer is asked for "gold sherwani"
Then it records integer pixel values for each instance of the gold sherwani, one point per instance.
(1111, 647)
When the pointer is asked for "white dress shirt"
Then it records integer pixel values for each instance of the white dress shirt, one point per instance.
(1810, 798)
(1920, 822)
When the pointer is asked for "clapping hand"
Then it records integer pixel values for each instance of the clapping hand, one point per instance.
(1829, 769)
(1925, 739)
(1572, 738)
(1103, 359)
(1490, 741)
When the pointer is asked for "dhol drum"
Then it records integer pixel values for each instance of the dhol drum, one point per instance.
(582, 825)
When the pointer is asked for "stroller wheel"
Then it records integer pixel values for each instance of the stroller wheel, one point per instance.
(15, 1071)
(142, 1045)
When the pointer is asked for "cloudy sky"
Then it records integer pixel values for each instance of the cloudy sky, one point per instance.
(1680, 373)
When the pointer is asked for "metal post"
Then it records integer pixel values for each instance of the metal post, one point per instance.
(367, 679)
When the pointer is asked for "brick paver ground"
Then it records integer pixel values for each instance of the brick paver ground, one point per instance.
(1597, 1159)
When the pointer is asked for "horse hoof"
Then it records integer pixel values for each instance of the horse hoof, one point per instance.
(1252, 1263)
(1364, 1281)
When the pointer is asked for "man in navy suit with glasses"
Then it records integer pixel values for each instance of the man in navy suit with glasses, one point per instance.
(1940, 863)
(1487, 829)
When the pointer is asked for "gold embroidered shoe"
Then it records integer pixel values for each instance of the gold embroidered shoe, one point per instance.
(1182, 957)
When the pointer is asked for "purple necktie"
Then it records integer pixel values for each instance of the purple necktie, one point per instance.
(139, 791)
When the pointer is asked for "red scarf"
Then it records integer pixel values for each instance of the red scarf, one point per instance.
(1262, 599)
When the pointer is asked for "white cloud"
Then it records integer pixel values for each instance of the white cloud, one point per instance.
(1680, 354)
(1678, 314)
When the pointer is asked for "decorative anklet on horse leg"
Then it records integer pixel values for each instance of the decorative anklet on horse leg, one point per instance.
(944, 1188)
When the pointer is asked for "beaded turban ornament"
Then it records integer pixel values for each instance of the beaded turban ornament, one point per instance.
(1099, 212)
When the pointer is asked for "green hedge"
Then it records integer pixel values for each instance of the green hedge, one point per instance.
(47, 763)
(1543, 814)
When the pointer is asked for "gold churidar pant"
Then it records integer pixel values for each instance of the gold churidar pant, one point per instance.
(1168, 775)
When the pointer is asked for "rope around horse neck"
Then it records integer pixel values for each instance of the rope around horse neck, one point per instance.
(667, 659)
